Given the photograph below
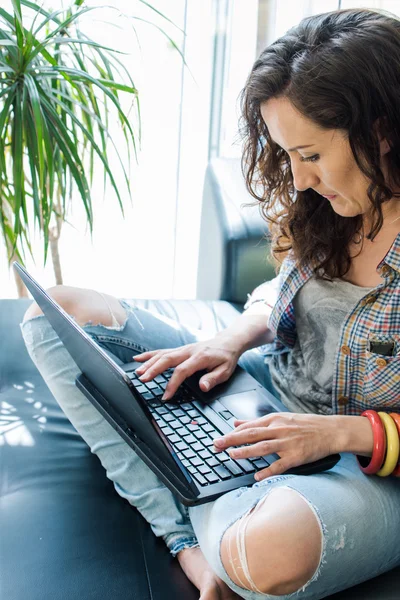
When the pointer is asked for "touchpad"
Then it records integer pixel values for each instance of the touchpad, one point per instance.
(247, 405)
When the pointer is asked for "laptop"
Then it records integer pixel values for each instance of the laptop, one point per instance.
(174, 438)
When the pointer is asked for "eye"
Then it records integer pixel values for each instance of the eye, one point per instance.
(313, 158)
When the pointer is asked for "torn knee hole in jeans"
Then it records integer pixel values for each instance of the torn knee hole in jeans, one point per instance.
(237, 543)
(241, 561)
(115, 324)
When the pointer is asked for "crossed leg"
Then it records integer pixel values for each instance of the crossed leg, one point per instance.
(273, 549)
(85, 304)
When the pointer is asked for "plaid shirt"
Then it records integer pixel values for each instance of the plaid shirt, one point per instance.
(361, 378)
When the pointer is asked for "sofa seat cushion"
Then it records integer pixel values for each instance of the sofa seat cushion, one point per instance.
(65, 532)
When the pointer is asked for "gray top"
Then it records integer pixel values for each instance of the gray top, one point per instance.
(303, 377)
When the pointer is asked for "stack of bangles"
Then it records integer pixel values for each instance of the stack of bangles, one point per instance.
(385, 455)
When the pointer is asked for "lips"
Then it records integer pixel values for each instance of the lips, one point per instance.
(329, 197)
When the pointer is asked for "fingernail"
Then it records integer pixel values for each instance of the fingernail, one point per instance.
(165, 396)
(206, 385)
(218, 442)
(233, 453)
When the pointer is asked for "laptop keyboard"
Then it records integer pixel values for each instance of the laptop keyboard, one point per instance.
(191, 433)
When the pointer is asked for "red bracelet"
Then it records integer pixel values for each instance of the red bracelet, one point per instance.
(373, 465)
(396, 419)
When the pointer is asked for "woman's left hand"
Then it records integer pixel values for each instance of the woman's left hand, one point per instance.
(297, 438)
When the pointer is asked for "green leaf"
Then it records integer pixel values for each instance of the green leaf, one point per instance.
(63, 25)
(81, 76)
(37, 117)
(71, 157)
(161, 14)
(69, 40)
(98, 152)
(19, 28)
(17, 156)
(35, 42)
(117, 86)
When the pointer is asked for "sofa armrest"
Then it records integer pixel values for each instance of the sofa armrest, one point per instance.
(233, 251)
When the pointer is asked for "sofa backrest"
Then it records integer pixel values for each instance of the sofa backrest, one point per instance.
(234, 253)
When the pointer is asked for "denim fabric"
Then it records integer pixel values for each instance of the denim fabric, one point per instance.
(359, 516)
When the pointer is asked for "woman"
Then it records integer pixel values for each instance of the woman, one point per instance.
(322, 155)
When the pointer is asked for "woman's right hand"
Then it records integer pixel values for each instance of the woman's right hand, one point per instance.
(218, 356)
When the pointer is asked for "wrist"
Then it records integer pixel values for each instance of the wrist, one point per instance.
(354, 434)
(248, 331)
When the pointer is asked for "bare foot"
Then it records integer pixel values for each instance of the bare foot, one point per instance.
(197, 569)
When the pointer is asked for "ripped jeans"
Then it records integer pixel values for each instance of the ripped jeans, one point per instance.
(359, 516)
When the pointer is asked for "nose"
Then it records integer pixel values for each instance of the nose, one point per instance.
(304, 176)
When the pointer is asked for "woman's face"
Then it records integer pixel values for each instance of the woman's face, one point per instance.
(327, 166)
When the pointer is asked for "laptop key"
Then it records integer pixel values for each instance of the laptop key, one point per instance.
(185, 420)
(212, 477)
(140, 388)
(212, 462)
(210, 444)
(246, 465)
(222, 472)
(182, 431)
(192, 427)
(260, 463)
(154, 403)
(207, 427)
(196, 461)
(204, 469)
(181, 446)
(178, 412)
(174, 424)
(167, 430)
(174, 439)
(170, 405)
(168, 417)
(151, 385)
(159, 379)
(185, 462)
(188, 453)
(162, 410)
(147, 396)
(200, 434)
(200, 478)
(223, 457)
(233, 467)
(202, 453)
(197, 447)
(193, 413)
(189, 439)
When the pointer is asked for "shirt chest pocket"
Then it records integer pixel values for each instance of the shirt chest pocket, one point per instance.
(382, 377)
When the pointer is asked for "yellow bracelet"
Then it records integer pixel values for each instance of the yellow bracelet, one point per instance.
(392, 445)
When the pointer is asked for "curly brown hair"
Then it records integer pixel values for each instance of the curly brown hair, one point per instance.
(340, 69)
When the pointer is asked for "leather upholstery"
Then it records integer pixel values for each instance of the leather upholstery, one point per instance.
(65, 532)
(234, 252)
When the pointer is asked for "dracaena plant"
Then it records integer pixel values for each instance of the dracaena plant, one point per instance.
(58, 89)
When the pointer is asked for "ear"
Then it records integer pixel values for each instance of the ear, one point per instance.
(383, 143)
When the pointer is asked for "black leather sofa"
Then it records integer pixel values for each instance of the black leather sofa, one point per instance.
(64, 531)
